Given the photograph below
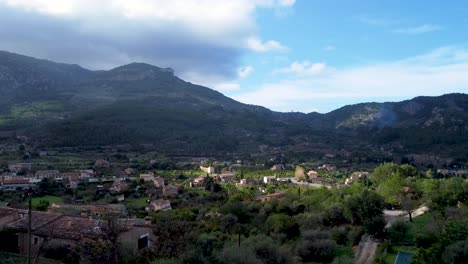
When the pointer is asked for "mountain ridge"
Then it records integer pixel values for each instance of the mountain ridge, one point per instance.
(64, 105)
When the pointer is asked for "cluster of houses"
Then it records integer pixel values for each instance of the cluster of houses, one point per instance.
(447, 172)
(313, 178)
(158, 201)
(169, 190)
(13, 181)
(356, 176)
(48, 228)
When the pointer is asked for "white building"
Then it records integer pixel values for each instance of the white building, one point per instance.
(269, 179)
(209, 170)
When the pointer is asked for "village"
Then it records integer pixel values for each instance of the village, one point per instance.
(126, 203)
(21, 177)
(77, 208)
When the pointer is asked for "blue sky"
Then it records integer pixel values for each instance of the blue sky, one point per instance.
(355, 36)
(283, 54)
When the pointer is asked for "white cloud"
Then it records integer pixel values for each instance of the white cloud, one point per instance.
(245, 71)
(229, 22)
(203, 36)
(227, 86)
(438, 72)
(213, 81)
(304, 68)
(329, 48)
(426, 28)
(256, 44)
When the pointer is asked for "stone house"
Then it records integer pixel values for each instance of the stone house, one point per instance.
(277, 167)
(159, 205)
(227, 176)
(129, 171)
(119, 186)
(158, 182)
(198, 182)
(209, 170)
(46, 174)
(147, 177)
(312, 174)
(269, 179)
(271, 197)
(170, 190)
(246, 182)
(20, 167)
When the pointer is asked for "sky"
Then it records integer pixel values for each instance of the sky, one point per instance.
(287, 55)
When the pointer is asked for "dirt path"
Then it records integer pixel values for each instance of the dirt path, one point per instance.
(368, 247)
(366, 251)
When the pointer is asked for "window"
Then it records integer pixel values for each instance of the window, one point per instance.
(143, 242)
(36, 240)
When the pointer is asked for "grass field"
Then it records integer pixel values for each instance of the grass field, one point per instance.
(344, 251)
(417, 226)
(10, 258)
(137, 203)
(51, 199)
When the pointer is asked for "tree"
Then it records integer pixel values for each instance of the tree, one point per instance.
(173, 235)
(334, 215)
(43, 205)
(390, 188)
(211, 185)
(104, 249)
(456, 252)
(282, 223)
(383, 171)
(316, 245)
(299, 174)
(98, 251)
(406, 171)
(375, 226)
(364, 206)
(255, 249)
(408, 203)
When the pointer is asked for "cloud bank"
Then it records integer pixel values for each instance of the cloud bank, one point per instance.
(200, 39)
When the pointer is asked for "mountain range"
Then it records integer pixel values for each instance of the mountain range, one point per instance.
(58, 105)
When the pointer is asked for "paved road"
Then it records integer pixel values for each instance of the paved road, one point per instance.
(394, 215)
(308, 184)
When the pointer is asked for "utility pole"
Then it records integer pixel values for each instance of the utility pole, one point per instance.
(30, 227)
(238, 236)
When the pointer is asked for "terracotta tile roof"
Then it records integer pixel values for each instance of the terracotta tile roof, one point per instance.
(39, 219)
(69, 227)
(7, 211)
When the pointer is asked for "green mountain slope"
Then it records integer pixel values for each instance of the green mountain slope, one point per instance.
(66, 105)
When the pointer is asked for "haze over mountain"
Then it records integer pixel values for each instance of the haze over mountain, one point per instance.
(66, 105)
